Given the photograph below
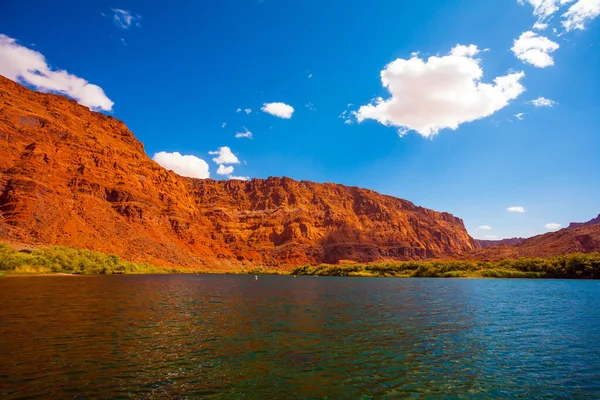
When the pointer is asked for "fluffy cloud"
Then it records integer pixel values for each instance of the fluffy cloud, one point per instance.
(247, 134)
(280, 110)
(125, 19)
(223, 170)
(543, 102)
(580, 13)
(517, 209)
(552, 226)
(27, 66)
(540, 26)
(240, 178)
(485, 228)
(440, 92)
(190, 166)
(225, 156)
(461, 50)
(534, 49)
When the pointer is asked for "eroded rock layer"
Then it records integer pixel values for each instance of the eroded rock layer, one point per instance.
(74, 177)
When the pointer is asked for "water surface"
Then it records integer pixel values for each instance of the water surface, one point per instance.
(226, 337)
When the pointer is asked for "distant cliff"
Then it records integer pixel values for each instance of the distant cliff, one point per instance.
(592, 221)
(489, 243)
(74, 177)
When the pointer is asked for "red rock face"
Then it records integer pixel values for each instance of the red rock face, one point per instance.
(74, 177)
(583, 239)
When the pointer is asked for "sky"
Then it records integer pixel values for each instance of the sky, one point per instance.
(489, 110)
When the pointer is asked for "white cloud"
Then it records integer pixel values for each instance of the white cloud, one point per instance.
(519, 116)
(239, 110)
(125, 19)
(534, 49)
(190, 166)
(543, 102)
(280, 110)
(543, 9)
(580, 13)
(540, 26)
(225, 156)
(247, 134)
(27, 66)
(223, 170)
(440, 92)
(517, 209)
(240, 178)
(310, 76)
(224, 124)
(485, 228)
(461, 50)
(552, 226)
(311, 107)
(247, 110)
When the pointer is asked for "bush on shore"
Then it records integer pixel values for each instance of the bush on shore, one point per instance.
(60, 259)
(585, 266)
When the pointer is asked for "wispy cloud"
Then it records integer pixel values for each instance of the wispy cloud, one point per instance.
(552, 226)
(519, 116)
(125, 19)
(22, 64)
(246, 134)
(516, 209)
(543, 102)
(580, 14)
(485, 227)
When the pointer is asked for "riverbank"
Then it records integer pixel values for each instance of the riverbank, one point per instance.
(21, 260)
(570, 266)
(67, 261)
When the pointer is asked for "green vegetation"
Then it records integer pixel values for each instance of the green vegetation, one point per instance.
(584, 266)
(59, 259)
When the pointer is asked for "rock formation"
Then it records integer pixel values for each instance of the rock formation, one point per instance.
(75, 177)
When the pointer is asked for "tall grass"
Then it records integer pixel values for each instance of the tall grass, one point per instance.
(60, 259)
(585, 266)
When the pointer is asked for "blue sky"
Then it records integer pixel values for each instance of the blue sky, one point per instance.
(178, 72)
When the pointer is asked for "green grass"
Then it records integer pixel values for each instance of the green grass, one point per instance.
(582, 266)
(59, 259)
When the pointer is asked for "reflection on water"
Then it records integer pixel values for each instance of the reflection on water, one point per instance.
(279, 337)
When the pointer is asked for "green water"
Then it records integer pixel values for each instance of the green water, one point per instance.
(234, 337)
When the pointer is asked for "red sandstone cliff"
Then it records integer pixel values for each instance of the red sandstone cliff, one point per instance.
(74, 177)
